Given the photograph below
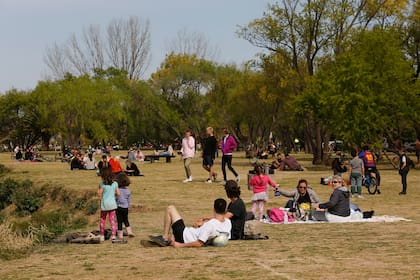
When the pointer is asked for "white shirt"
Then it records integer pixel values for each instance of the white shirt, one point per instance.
(188, 147)
(207, 231)
(89, 164)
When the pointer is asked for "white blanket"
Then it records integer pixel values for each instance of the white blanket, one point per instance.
(374, 219)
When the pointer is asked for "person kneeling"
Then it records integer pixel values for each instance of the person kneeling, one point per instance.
(196, 236)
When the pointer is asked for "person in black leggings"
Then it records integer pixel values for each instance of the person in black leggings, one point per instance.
(228, 146)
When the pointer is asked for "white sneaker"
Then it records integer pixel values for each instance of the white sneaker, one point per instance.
(101, 238)
(188, 180)
(208, 181)
(238, 179)
(360, 196)
(223, 183)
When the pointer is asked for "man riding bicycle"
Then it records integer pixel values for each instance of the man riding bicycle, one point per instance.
(370, 165)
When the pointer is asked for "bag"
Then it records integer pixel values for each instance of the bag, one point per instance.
(410, 162)
(279, 216)
(252, 231)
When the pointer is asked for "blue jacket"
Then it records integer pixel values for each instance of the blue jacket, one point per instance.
(123, 201)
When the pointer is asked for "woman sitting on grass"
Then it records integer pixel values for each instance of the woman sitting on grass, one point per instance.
(107, 191)
(131, 169)
(337, 209)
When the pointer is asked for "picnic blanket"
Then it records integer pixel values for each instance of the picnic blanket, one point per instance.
(374, 219)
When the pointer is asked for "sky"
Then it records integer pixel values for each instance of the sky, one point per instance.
(28, 27)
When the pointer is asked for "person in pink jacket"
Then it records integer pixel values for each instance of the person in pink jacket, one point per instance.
(188, 152)
(259, 186)
(228, 146)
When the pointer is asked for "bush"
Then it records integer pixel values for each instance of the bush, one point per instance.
(56, 221)
(28, 199)
(13, 245)
(7, 189)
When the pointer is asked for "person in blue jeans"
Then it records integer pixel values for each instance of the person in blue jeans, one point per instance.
(357, 169)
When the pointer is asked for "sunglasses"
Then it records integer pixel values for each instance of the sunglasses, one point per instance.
(336, 182)
(301, 187)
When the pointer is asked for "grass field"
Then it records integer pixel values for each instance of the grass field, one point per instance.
(316, 251)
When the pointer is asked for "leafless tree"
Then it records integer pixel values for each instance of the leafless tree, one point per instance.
(126, 46)
(192, 43)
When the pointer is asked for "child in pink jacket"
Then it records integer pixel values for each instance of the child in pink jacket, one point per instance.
(259, 185)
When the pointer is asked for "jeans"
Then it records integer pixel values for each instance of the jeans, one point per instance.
(356, 183)
(187, 162)
(227, 159)
(404, 174)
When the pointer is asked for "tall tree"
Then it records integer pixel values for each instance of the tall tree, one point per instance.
(126, 46)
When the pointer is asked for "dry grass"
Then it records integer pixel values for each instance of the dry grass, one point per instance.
(13, 245)
(320, 251)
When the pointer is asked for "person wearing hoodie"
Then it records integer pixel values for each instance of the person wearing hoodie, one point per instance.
(337, 209)
(228, 146)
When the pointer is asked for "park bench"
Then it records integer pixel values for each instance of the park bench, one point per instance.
(153, 158)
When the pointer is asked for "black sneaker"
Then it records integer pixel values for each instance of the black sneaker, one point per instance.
(160, 241)
(378, 191)
(402, 193)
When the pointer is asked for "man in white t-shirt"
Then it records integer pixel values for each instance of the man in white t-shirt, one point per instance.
(196, 236)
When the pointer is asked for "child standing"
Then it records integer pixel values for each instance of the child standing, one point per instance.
(259, 185)
(108, 189)
(123, 203)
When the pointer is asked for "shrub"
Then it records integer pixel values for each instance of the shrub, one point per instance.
(13, 245)
(7, 189)
(56, 221)
(28, 199)
(92, 207)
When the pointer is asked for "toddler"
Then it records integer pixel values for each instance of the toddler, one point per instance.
(259, 185)
(123, 203)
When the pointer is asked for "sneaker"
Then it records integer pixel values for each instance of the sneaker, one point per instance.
(378, 191)
(208, 181)
(101, 238)
(119, 241)
(160, 241)
(223, 183)
(215, 177)
(188, 180)
(238, 179)
(360, 196)
(402, 193)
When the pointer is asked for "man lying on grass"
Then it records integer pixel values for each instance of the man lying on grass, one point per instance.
(199, 234)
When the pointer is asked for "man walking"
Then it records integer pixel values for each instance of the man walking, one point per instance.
(209, 153)
(404, 167)
(188, 152)
(228, 146)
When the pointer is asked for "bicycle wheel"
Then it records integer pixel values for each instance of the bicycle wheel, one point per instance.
(373, 186)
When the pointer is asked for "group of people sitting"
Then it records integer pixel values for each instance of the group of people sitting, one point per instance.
(88, 162)
(286, 163)
(131, 168)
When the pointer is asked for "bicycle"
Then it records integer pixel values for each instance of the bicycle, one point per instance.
(370, 182)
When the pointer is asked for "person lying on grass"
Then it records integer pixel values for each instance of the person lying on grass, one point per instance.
(199, 233)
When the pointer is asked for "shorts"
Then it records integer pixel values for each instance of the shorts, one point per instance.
(208, 160)
(178, 230)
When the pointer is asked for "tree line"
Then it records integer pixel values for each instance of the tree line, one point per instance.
(328, 70)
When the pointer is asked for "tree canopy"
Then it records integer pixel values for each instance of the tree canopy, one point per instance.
(330, 69)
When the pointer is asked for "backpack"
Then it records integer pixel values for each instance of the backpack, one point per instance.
(279, 216)
(410, 162)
